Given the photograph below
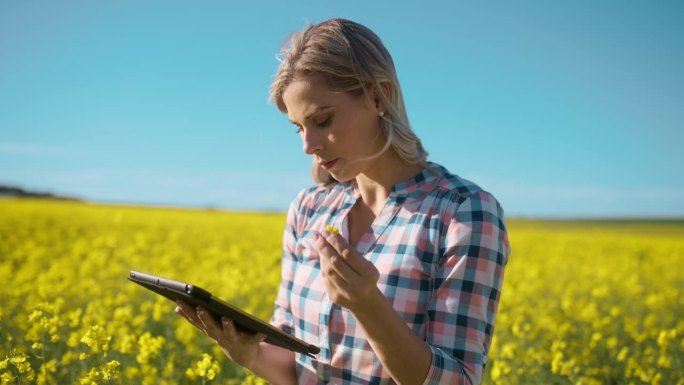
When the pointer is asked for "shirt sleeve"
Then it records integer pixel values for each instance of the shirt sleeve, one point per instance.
(467, 287)
(282, 315)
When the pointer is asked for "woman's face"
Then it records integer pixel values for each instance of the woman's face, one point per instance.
(337, 129)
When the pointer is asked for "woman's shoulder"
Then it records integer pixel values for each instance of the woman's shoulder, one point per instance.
(312, 202)
(313, 197)
(463, 194)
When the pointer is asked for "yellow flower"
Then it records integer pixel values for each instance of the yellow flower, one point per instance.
(665, 336)
(74, 317)
(35, 316)
(91, 378)
(97, 339)
(126, 344)
(149, 347)
(110, 370)
(20, 361)
(207, 368)
(332, 229)
(623, 354)
(18, 358)
(6, 378)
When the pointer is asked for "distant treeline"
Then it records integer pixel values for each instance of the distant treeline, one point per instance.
(19, 192)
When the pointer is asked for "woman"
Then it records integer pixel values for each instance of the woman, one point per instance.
(407, 291)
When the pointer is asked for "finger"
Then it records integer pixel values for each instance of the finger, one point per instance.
(342, 288)
(341, 247)
(178, 310)
(331, 262)
(229, 329)
(355, 260)
(341, 275)
(233, 335)
(187, 312)
(334, 267)
(193, 321)
(324, 249)
(211, 327)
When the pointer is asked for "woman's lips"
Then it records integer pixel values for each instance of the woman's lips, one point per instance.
(329, 164)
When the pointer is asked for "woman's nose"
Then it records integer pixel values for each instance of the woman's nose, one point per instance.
(311, 141)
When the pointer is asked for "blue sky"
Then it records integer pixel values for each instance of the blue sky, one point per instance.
(557, 108)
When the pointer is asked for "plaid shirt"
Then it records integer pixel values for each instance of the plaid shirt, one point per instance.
(440, 245)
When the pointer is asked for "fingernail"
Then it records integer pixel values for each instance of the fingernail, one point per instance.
(326, 234)
(316, 236)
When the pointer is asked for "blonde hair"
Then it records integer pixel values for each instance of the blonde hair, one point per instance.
(350, 58)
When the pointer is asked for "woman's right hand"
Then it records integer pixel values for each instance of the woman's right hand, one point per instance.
(242, 348)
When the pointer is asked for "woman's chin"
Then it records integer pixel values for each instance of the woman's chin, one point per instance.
(341, 176)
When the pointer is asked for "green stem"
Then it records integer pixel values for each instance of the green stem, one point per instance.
(44, 360)
(100, 354)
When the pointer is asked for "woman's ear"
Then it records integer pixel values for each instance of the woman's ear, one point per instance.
(379, 100)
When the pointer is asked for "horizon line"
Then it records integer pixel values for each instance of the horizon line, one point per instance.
(272, 210)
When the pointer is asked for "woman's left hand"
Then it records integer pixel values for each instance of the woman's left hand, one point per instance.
(350, 279)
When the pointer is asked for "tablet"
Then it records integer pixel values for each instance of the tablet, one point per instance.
(176, 290)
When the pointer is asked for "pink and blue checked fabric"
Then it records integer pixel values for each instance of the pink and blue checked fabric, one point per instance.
(441, 247)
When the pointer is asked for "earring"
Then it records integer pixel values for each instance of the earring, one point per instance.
(381, 114)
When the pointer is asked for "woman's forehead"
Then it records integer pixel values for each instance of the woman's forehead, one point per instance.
(307, 88)
(306, 96)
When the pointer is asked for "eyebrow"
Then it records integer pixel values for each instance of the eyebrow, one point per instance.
(311, 113)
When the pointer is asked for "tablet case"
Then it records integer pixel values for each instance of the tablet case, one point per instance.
(176, 290)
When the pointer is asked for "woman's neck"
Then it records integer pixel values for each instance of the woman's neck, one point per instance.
(376, 182)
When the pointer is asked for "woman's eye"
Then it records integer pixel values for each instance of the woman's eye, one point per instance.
(324, 123)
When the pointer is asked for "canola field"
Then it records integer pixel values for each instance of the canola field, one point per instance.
(585, 302)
